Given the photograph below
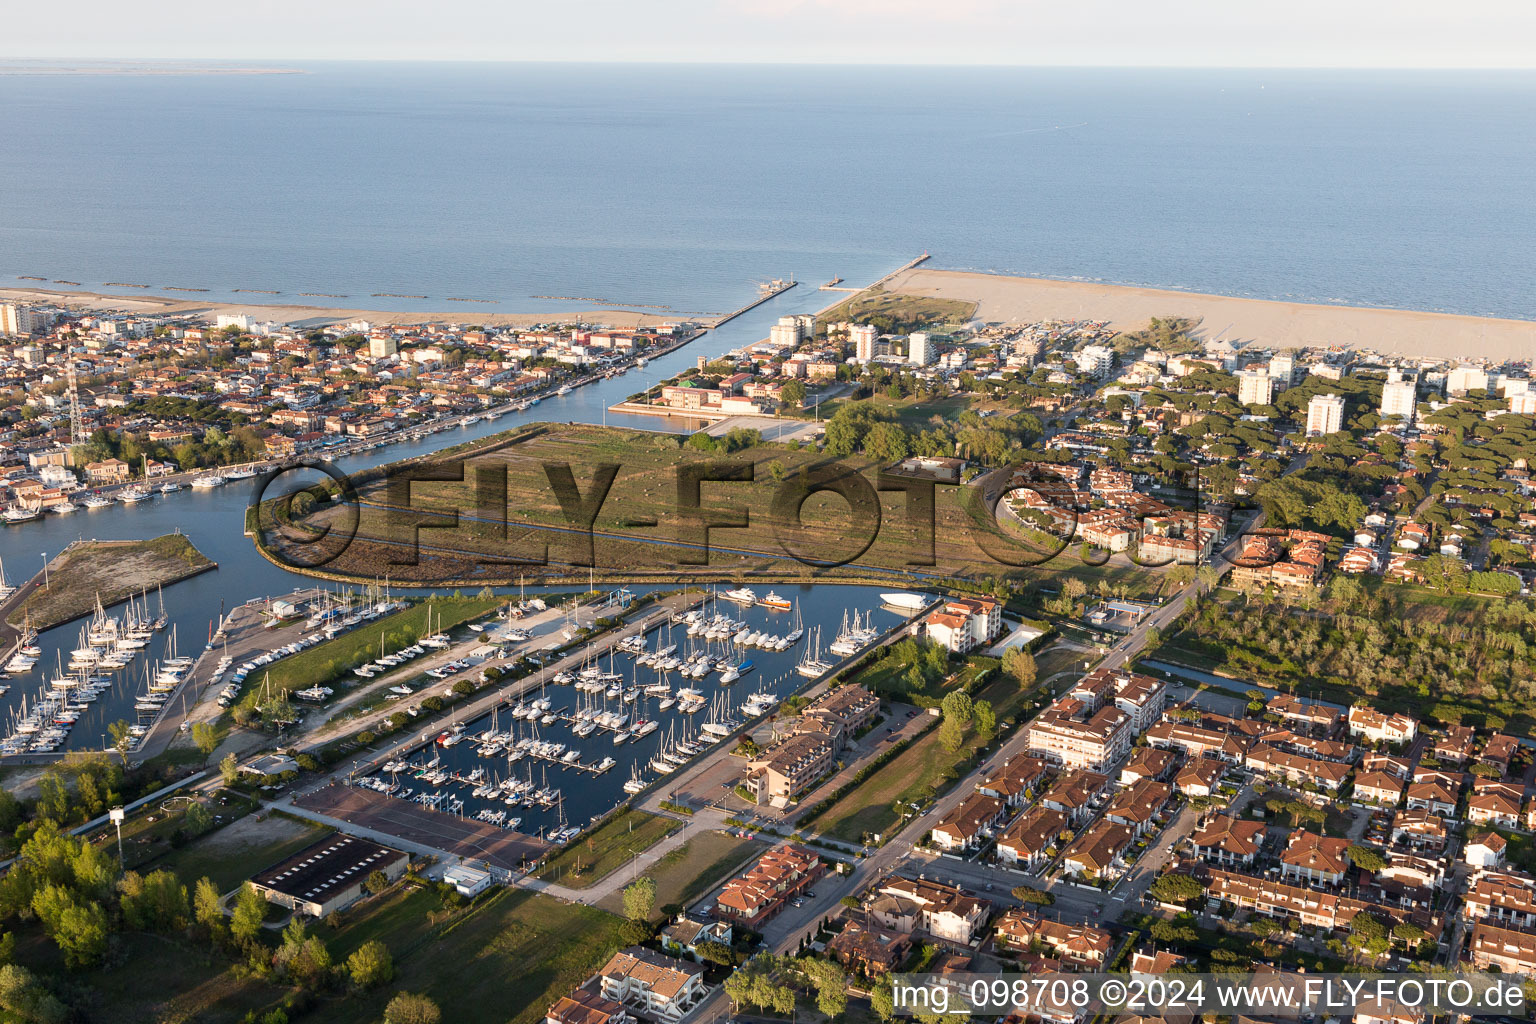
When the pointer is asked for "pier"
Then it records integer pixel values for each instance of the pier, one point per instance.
(772, 292)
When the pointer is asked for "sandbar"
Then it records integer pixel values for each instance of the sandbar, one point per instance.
(1244, 322)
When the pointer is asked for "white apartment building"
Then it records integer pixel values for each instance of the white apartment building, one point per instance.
(1465, 378)
(1255, 387)
(1523, 404)
(1068, 734)
(863, 337)
(919, 349)
(1398, 397)
(1325, 415)
(1328, 371)
(1283, 369)
(789, 332)
(382, 346)
(1095, 360)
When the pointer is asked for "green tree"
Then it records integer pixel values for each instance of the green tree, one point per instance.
(370, 965)
(229, 768)
(792, 394)
(250, 909)
(1365, 858)
(208, 909)
(206, 737)
(122, 738)
(958, 707)
(985, 720)
(1175, 887)
(640, 899)
(409, 1008)
(197, 820)
(25, 999)
(1020, 664)
(951, 735)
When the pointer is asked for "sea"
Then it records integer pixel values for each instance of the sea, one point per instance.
(676, 188)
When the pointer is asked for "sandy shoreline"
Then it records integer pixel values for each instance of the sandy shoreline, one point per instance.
(1258, 322)
(317, 316)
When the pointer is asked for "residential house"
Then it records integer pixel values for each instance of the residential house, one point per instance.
(1198, 741)
(684, 935)
(1297, 769)
(1512, 952)
(1019, 777)
(1096, 852)
(965, 827)
(1379, 788)
(1309, 857)
(586, 1006)
(1377, 727)
(1074, 794)
(777, 877)
(1025, 842)
(1229, 841)
(1080, 945)
(1146, 763)
(1504, 898)
(1200, 776)
(1487, 851)
(662, 987)
(1138, 806)
(1455, 747)
(942, 910)
(869, 948)
(1070, 733)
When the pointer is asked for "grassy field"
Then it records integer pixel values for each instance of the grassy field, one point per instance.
(598, 853)
(112, 570)
(233, 854)
(324, 662)
(638, 533)
(909, 312)
(504, 962)
(913, 777)
(691, 870)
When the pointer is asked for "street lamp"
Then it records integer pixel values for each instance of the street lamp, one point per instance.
(116, 816)
(45, 570)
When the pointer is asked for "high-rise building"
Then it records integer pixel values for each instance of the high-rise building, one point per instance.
(788, 332)
(1096, 360)
(382, 346)
(919, 348)
(16, 319)
(863, 337)
(1325, 415)
(1513, 385)
(1523, 404)
(1465, 378)
(1255, 387)
(1283, 369)
(1398, 397)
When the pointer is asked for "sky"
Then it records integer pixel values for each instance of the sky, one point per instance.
(1184, 33)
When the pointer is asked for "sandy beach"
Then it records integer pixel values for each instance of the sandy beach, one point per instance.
(1255, 322)
(318, 316)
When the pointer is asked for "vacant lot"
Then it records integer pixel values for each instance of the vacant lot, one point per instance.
(231, 855)
(112, 570)
(899, 311)
(505, 961)
(692, 869)
(592, 856)
(915, 776)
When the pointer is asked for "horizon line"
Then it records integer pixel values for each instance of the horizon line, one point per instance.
(203, 61)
